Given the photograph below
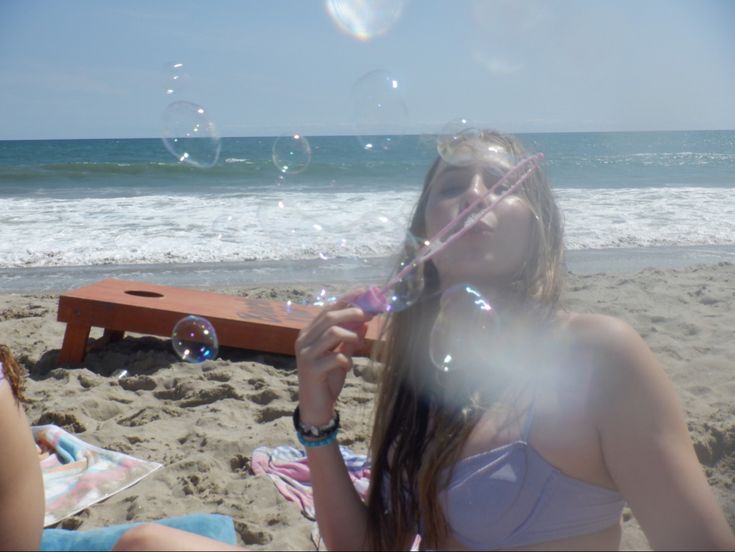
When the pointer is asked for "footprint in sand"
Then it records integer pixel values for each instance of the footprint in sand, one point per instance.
(217, 376)
(69, 422)
(270, 413)
(266, 396)
(250, 535)
(136, 383)
(141, 417)
(208, 396)
(240, 463)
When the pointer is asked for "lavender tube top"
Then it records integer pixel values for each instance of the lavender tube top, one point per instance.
(510, 497)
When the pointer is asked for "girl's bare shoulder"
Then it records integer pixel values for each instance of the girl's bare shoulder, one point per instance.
(618, 350)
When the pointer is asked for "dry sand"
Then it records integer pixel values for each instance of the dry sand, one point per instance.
(203, 421)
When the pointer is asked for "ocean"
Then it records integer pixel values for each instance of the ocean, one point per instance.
(129, 202)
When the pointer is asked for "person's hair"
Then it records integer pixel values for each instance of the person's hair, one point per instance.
(415, 437)
(12, 372)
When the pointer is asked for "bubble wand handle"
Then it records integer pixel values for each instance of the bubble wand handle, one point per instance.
(435, 245)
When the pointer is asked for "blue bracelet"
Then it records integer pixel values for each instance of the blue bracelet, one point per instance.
(328, 440)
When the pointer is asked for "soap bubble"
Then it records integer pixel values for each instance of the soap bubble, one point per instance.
(411, 283)
(404, 287)
(225, 227)
(285, 222)
(194, 339)
(460, 143)
(291, 154)
(176, 80)
(451, 143)
(381, 115)
(362, 19)
(463, 332)
(386, 229)
(189, 134)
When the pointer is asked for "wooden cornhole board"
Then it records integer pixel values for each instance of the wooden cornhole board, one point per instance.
(121, 306)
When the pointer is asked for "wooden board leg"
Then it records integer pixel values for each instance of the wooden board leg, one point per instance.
(75, 344)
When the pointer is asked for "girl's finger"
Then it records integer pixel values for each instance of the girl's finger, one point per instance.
(329, 340)
(332, 317)
(331, 362)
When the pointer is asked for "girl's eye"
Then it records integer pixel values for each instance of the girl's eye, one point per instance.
(451, 190)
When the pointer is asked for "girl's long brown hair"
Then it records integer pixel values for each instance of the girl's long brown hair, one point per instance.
(416, 438)
(12, 372)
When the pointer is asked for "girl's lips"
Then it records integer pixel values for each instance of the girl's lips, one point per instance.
(479, 230)
(480, 227)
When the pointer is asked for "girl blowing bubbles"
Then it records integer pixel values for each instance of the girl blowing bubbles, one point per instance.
(546, 427)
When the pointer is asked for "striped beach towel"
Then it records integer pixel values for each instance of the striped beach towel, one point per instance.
(77, 474)
(288, 468)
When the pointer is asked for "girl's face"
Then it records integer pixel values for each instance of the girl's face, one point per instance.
(494, 250)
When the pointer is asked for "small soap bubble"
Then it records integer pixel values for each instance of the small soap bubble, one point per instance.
(176, 80)
(380, 113)
(120, 373)
(291, 154)
(408, 278)
(194, 339)
(364, 20)
(190, 135)
(465, 326)
(408, 289)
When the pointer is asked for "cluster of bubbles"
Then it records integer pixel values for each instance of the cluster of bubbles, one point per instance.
(194, 339)
(380, 116)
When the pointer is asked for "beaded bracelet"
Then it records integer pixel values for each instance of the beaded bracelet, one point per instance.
(328, 440)
(315, 432)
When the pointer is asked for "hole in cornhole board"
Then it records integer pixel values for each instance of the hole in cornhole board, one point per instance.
(141, 293)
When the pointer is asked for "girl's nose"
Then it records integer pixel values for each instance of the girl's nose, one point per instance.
(476, 190)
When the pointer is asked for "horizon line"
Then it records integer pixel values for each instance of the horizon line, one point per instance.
(329, 135)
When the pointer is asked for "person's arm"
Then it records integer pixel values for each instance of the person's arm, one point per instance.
(647, 447)
(323, 356)
(21, 483)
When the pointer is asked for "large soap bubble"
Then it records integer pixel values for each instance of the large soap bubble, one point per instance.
(380, 112)
(190, 135)
(291, 154)
(460, 143)
(194, 339)
(463, 332)
(364, 19)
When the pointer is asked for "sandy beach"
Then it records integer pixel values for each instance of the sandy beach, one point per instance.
(202, 422)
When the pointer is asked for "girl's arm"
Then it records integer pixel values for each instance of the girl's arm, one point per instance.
(647, 447)
(21, 483)
(323, 357)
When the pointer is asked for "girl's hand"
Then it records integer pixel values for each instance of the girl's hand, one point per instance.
(324, 351)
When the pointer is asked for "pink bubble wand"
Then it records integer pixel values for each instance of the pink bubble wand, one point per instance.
(373, 301)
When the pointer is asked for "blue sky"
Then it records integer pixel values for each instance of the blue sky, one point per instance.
(90, 69)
